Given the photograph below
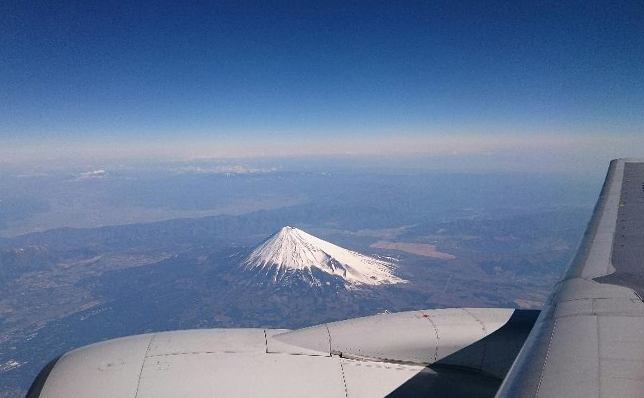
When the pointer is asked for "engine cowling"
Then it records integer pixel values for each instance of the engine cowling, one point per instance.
(448, 351)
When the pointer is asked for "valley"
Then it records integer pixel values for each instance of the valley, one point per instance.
(110, 282)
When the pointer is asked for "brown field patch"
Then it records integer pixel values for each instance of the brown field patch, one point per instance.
(421, 249)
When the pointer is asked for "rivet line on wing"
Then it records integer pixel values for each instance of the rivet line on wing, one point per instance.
(545, 361)
(147, 350)
(438, 339)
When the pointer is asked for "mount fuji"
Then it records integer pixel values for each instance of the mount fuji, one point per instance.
(293, 255)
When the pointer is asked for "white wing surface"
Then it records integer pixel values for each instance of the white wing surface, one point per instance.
(589, 339)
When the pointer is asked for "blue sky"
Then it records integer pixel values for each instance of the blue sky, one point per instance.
(265, 74)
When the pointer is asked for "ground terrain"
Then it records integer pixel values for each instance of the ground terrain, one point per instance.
(499, 246)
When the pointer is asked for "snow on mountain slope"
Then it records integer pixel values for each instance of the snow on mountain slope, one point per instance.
(293, 250)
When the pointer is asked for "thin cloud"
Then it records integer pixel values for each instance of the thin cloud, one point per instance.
(91, 175)
(227, 169)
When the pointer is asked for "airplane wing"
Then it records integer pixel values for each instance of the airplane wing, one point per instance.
(588, 341)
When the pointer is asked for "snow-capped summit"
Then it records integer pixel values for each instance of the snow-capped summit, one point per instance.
(292, 250)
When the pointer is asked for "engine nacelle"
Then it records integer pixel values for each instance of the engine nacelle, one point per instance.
(376, 356)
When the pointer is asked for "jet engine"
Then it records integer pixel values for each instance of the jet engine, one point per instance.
(443, 353)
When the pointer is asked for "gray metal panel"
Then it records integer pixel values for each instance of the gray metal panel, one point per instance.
(386, 341)
(372, 379)
(597, 261)
(228, 363)
(494, 354)
(621, 355)
(419, 337)
(275, 346)
(594, 236)
(447, 383)
(560, 377)
(628, 247)
(589, 339)
(458, 329)
(207, 340)
(104, 370)
(315, 338)
(241, 375)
